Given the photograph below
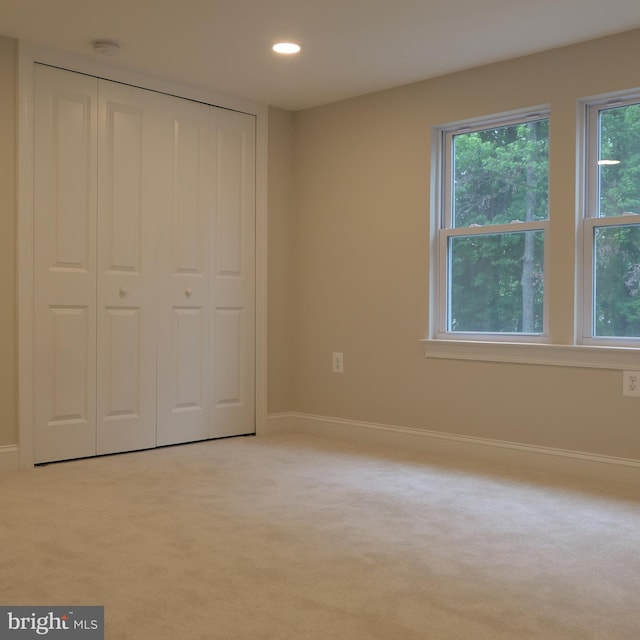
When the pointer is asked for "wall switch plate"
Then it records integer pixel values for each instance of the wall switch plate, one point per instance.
(337, 362)
(631, 383)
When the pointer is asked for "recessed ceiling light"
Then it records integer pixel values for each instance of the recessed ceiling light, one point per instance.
(287, 48)
(608, 162)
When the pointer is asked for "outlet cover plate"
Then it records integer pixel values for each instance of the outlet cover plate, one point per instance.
(631, 383)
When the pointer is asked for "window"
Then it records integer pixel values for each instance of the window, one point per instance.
(611, 225)
(493, 228)
(490, 264)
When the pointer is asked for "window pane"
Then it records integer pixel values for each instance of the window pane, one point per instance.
(619, 161)
(496, 282)
(617, 281)
(501, 175)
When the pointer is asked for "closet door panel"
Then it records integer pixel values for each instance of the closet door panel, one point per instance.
(65, 154)
(183, 296)
(232, 280)
(229, 357)
(130, 193)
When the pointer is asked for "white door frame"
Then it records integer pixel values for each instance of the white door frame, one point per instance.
(28, 54)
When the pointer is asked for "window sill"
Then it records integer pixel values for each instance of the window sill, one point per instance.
(593, 357)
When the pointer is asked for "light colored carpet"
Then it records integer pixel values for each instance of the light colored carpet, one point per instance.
(293, 537)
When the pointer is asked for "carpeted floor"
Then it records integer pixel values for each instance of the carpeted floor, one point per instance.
(291, 537)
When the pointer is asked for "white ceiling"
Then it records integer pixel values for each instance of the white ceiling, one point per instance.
(350, 47)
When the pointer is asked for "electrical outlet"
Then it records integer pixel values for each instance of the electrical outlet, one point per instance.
(337, 362)
(631, 383)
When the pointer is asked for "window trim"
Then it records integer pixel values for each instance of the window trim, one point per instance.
(533, 353)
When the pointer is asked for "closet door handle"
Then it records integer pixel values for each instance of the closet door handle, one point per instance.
(188, 292)
(123, 291)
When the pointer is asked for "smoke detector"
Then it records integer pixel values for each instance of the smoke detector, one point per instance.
(106, 47)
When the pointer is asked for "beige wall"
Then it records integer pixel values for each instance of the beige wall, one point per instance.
(8, 336)
(361, 176)
(281, 267)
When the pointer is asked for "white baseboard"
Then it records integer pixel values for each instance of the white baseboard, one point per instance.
(278, 423)
(9, 458)
(577, 464)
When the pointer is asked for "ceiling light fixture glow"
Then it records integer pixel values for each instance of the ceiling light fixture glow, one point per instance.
(607, 162)
(286, 48)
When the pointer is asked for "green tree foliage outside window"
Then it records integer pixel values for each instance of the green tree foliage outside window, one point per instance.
(617, 281)
(617, 248)
(500, 177)
(619, 142)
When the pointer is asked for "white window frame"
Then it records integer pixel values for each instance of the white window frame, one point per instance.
(590, 222)
(444, 199)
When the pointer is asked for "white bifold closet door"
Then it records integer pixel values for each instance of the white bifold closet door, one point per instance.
(144, 268)
(65, 216)
(130, 197)
(184, 352)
